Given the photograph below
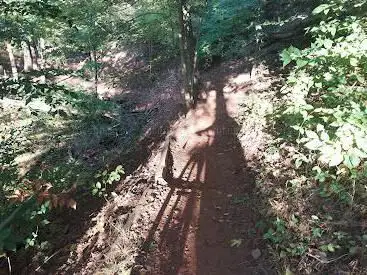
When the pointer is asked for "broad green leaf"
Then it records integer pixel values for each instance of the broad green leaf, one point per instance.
(359, 153)
(354, 62)
(301, 63)
(351, 160)
(285, 57)
(320, 8)
(330, 247)
(324, 136)
(311, 134)
(328, 44)
(332, 31)
(314, 144)
(336, 159)
(361, 143)
(319, 127)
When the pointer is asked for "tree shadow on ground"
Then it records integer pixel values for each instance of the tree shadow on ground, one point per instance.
(207, 223)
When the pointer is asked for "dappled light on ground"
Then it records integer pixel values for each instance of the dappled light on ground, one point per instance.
(198, 221)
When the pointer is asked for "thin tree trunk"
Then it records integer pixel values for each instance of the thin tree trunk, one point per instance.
(183, 52)
(191, 50)
(26, 57)
(2, 70)
(41, 47)
(33, 52)
(13, 65)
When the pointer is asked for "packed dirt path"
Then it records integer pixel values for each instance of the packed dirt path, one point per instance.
(206, 223)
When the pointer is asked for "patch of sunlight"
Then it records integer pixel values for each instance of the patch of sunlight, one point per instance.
(241, 79)
(27, 160)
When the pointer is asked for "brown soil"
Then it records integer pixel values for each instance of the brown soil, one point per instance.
(204, 220)
(208, 206)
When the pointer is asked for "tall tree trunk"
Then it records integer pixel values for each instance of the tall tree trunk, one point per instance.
(32, 50)
(13, 65)
(191, 56)
(26, 57)
(41, 48)
(183, 52)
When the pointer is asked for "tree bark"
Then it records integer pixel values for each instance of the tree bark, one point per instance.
(26, 57)
(13, 65)
(34, 57)
(41, 48)
(182, 38)
(185, 51)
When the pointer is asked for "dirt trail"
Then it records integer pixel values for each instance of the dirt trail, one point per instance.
(205, 224)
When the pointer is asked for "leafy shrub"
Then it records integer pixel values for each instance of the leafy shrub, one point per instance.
(106, 179)
(38, 110)
(225, 28)
(325, 117)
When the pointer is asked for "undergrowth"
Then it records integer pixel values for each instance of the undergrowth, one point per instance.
(314, 186)
(54, 141)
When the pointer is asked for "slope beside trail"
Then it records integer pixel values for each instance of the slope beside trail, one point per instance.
(206, 223)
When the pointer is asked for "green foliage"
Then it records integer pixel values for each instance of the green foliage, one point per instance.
(326, 120)
(106, 179)
(42, 117)
(226, 27)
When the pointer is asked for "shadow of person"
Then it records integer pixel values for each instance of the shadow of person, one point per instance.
(200, 217)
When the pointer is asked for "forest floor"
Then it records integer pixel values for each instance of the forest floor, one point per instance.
(206, 223)
(206, 220)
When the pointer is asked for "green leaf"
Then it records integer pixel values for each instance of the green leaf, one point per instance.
(285, 57)
(324, 248)
(314, 144)
(324, 136)
(319, 127)
(330, 247)
(328, 44)
(311, 134)
(336, 159)
(98, 185)
(354, 62)
(332, 31)
(301, 63)
(351, 160)
(320, 8)
(361, 143)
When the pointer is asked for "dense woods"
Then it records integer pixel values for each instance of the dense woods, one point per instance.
(91, 90)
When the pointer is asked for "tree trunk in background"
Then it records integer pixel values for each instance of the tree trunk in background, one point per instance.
(191, 53)
(26, 57)
(34, 57)
(183, 52)
(13, 65)
(188, 53)
(41, 57)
